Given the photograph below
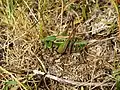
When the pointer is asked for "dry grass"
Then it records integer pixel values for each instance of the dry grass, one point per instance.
(24, 23)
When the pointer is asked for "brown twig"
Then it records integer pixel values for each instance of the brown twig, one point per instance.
(71, 82)
(118, 21)
(118, 25)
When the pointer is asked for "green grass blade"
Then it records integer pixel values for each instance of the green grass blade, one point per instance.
(115, 5)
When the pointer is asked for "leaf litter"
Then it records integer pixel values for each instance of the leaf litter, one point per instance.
(91, 64)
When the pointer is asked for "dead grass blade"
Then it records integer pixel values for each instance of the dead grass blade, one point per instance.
(4, 70)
